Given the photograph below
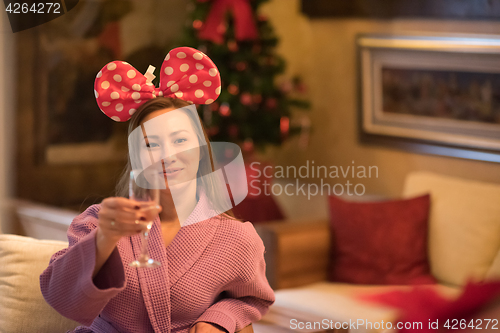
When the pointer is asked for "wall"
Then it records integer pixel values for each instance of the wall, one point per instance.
(6, 122)
(322, 51)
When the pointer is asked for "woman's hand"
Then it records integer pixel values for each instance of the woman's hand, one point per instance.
(204, 327)
(117, 219)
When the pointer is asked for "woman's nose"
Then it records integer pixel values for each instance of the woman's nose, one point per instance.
(169, 154)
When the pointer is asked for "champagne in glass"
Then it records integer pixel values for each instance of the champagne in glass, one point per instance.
(144, 187)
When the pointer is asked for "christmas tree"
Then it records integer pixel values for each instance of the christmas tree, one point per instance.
(252, 110)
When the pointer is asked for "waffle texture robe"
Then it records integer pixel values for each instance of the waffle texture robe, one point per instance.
(212, 271)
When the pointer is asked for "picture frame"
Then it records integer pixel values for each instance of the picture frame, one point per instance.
(431, 94)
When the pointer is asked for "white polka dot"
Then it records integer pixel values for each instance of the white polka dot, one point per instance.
(117, 78)
(212, 72)
(168, 56)
(169, 83)
(125, 63)
(169, 70)
(136, 95)
(217, 91)
(99, 74)
(149, 83)
(112, 66)
(136, 87)
(131, 111)
(199, 67)
(131, 74)
(179, 94)
(181, 55)
(209, 101)
(119, 107)
(174, 88)
(198, 56)
(125, 89)
(184, 67)
(106, 103)
(207, 83)
(138, 101)
(96, 93)
(115, 118)
(199, 93)
(160, 93)
(193, 78)
(105, 85)
(115, 95)
(154, 96)
(190, 102)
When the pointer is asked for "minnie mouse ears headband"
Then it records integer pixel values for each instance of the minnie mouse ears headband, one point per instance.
(186, 73)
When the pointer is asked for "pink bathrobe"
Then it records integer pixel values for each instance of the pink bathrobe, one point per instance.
(212, 271)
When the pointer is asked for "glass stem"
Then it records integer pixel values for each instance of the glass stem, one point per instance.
(144, 247)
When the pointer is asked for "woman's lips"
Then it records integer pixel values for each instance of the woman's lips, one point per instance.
(173, 172)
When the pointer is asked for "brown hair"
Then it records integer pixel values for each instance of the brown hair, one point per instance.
(206, 165)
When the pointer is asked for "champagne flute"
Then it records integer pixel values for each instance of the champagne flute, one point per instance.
(144, 188)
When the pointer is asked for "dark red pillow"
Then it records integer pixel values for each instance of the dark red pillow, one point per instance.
(382, 242)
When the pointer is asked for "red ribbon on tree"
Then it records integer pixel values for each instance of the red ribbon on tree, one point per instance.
(244, 24)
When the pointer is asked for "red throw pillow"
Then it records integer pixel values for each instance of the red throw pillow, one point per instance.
(382, 242)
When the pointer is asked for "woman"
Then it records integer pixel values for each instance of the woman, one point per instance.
(212, 277)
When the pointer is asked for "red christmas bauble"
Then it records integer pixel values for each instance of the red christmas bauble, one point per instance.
(248, 145)
(257, 99)
(271, 103)
(241, 66)
(284, 125)
(211, 131)
(197, 24)
(224, 109)
(222, 28)
(233, 130)
(233, 89)
(232, 46)
(246, 99)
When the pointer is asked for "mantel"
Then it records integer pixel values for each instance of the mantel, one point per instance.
(390, 9)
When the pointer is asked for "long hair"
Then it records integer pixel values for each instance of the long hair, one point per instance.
(206, 164)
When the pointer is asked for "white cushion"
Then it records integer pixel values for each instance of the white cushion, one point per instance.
(464, 225)
(22, 306)
(337, 302)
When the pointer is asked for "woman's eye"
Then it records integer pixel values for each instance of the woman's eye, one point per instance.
(152, 145)
(180, 140)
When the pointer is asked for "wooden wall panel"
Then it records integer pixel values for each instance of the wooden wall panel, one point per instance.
(387, 9)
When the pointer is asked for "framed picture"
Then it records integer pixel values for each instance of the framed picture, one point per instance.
(437, 95)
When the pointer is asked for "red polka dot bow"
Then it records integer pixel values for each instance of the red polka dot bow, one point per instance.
(186, 73)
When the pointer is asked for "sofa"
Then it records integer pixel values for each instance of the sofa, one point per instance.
(463, 244)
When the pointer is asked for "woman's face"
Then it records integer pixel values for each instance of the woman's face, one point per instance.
(170, 146)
